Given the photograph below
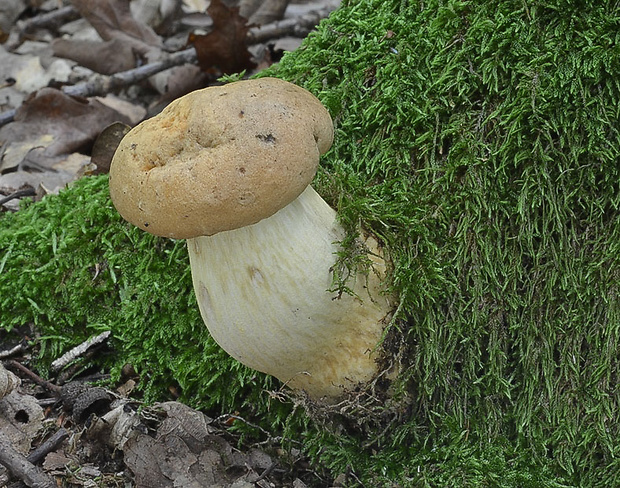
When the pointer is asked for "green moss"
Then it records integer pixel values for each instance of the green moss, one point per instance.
(72, 267)
(479, 141)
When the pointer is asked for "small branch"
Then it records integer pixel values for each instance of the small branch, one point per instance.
(78, 350)
(100, 84)
(267, 471)
(49, 20)
(299, 27)
(21, 468)
(43, 450)
(27, 192)
(51, 444)
(7, 353)
(6, 117)
(51, 387)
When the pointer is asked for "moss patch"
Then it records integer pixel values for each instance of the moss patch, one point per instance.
(479, 141)
(72, 267)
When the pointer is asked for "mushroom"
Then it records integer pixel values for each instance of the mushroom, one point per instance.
(228, 168)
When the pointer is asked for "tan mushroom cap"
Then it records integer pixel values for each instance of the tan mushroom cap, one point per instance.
(220, 158)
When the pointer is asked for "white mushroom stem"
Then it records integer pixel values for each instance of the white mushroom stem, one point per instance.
(263, 294)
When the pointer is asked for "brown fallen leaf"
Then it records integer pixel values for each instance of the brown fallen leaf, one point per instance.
(9, 13)
(112, 19)
(48, 128)
(106, 57)
(224, 49)
(57, 122)
(161, 15)
(128, 40)
(125, 38)
(63, 170)
(261, 12)
(106, 144)
(185, 452)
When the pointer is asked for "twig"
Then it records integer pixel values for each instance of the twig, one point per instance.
(21, 468)
(27, 192)
(299, 27)
(6, 117)
(78, 350)
(51, 444)
(7, 353)
(101, 84)
(43, 450)
(267, 471)
(51, 387)
(51, 19)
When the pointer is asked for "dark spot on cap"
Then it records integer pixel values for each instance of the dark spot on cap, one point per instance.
(266, 138)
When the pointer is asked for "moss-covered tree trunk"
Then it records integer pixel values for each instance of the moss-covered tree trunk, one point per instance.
(480, 141)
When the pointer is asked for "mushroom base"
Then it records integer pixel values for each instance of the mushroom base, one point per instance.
(263, 294)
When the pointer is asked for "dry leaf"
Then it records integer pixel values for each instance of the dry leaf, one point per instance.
(28, 75)
(195, 5)
(182, 453)
(41, 147)
(263, 11)
(107, 57)
(9, 13)
(8, 381)
(112, 19)
(248, 7)
(224, 48)
(125, 38)
(106, 144)
(65, 169)
(52, 124)
(158, 14)
(133, 112)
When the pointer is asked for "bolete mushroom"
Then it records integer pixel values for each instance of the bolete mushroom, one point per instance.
(228, 168)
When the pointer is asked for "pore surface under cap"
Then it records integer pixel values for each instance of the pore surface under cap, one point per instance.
(220, 158)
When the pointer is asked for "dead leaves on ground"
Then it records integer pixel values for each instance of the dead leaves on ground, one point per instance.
(223, 48)
(125, 40)
(49, 142)
(46, 146)
(164, 445)
(186, 450)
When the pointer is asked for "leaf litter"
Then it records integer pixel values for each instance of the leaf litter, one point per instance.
(49, 136)
(102, 41)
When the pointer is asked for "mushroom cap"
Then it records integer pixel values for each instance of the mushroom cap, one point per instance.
(220, 158)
